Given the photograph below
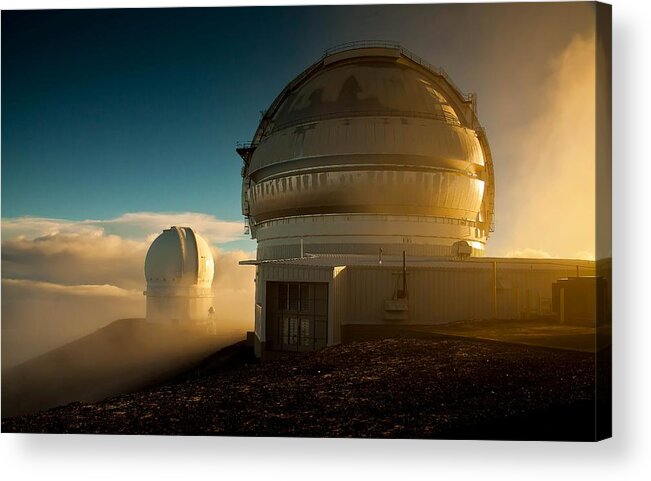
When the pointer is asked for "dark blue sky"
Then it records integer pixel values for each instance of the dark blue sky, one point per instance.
(106, 112)
(112, 111)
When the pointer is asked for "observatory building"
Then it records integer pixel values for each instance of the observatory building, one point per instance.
(179, 269)
(369, 188)
(369, 149)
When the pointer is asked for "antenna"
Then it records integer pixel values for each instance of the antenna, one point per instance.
(402, 294)
(404, 274)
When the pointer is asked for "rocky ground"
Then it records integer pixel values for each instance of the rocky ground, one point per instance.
(394, 388)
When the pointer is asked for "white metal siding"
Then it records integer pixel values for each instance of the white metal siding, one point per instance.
(436, 294)
(440, 295)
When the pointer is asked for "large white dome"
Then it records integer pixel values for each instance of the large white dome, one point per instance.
(179, 257)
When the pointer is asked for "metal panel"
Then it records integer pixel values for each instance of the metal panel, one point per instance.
(339, 299)
(297, 315)
(445, 294)
(369, 134)
(283, 273)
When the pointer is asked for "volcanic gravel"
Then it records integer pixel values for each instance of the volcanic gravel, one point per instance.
(395, 388)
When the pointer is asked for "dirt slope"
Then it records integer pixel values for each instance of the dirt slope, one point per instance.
(126, 355)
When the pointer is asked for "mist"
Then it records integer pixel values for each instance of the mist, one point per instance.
(234, 290)
(40, 316)
(552, 211)
(73, 309)
(124, 356)
(62, 280)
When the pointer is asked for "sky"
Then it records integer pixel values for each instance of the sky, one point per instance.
(119, 123)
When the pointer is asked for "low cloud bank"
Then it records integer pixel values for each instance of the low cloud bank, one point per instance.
(135, 225)
(40, 316)
(539, 254)
(63, 279)
(529, 253)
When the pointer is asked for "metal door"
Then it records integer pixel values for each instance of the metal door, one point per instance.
(297, 316)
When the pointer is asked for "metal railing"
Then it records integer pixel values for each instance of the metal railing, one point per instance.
(342, 47)
(443, 116)
(244, 144)
(406, 52)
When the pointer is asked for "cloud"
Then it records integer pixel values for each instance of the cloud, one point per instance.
(584, 255)
(233, 288)
(146, 224)
(73, 258)
(96, 251)
(135, 226)
(548, 199)
(40, 316)
(105, 290)
(539, 254)
(529, 253)
(62, 279)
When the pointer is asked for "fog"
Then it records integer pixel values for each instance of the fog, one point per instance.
(39, 316)
(126, 355)
(552, 212)
(73, 303)
(62, 280)
(234, 290)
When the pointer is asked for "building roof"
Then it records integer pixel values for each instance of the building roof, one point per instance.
(179, 256)
(336, 260)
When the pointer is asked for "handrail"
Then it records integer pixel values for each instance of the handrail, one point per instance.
(445, 117)
(406, 52)
(342, 47)
(244, 144)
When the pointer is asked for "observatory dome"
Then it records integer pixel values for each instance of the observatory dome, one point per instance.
(369, 148)
(372, 87)
(179, 257)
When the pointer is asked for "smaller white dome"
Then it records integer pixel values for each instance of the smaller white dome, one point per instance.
(179, 257)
